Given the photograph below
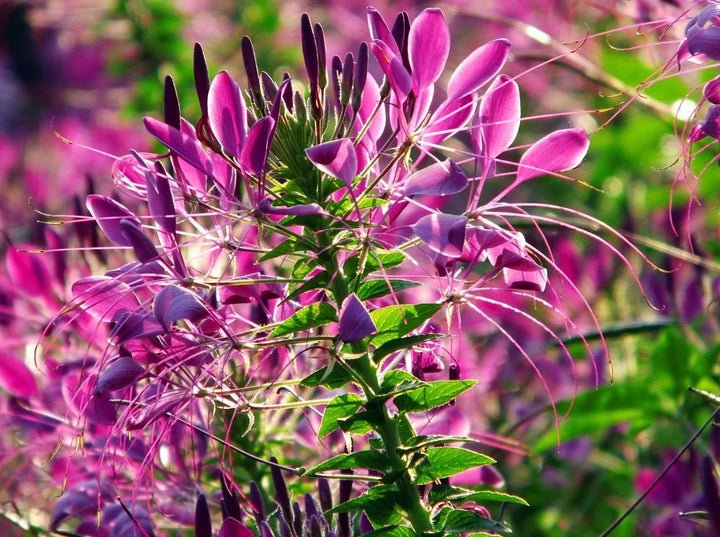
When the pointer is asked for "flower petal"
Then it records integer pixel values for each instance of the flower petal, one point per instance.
(104, 297)
(108, 213)
(173, 303)
(442, 233)
(558, 151)
(336, 158)
(226, 113)
(15, 377)
(499, 116)
(428, 47)
(257, 147)
(181, 143)
(121, 373)
(479, 67)
(439, 179)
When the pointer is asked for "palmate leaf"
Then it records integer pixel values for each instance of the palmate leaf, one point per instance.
(433, 395)
(312, 316)
(447, 461)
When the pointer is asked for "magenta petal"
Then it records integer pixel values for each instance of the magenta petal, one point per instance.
(226, 113)
(479, 67)
(173, 303)
(522, 272)
(257, 147)
(28, 271)
(181, 143)
(449, 118)
(107, 214)
(160, 201)
(104, 297)
(379, 30)
(499, 116)
(355, 323)
(443, 233)
(336, 158)
(392, 66)
(141, 243)
(711, 91)
(428, 47)
(439, 179)
(232, 527)
(121, 373)
(558, 151)
(15, 377)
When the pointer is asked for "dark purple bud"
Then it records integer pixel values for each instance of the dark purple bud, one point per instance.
(365, 525)
(121, 373)
(361, 68)
(325, 495)
(321, 54)
(442, 233)
(282, 498)
(310, 50)
(269, 86)
(283, 526)
(265, 530)
(202, 77)
(348, 68)
(298, 518)
(232, 527)
(336, 74)
(314, 527)
(354, 322)
(203, 523)
(256, 502)
(711, 493)
(343, 523)
(400, 32)
(439, 179)
(287, 92)
(300, 108)
(141, 244)
(173, 303)
(172, 103)
(310, 507)
(251, 70)
(229, 502)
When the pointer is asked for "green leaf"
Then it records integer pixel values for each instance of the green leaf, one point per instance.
(320, 280)
(380, 503)
(395, 378)
(394, 322)
(283, 248)
(447, 461)
(447, 493)
(401, 343)
(317, 314)
(452, 520)
(377, 288)
(340, 407)
(433, 395)
(359, 423)
(392, 531)
(338, 377)
(370, 459)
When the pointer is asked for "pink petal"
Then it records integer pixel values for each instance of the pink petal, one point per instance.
(439, 179)
(379, 30)
(255, 153)
(226, 113)
(428, 47)
(28, 271)
(400, 80)
(449, 118)
(442, 233)
(108, 213)
(121, 373)
(15, 377)
(173, 303)
(479, 67)
(558, 151)
(104, 297)
(336, 158)
(231, 527)
(181, 143)
(499, 116)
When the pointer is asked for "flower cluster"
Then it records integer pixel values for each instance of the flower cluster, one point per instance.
(313, 267)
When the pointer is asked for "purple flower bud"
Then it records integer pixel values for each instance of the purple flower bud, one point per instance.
(711, 493)
(232, 527)
(269, 86)
(172, 103)
(229, 503)
(282, 498)
(310, 50)
(256, 502)
(361, 69)
(203, 523)
(354, 321)
(325, 495)
(322, 55)
(348, 67)
(202, 78)
(251, 70)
